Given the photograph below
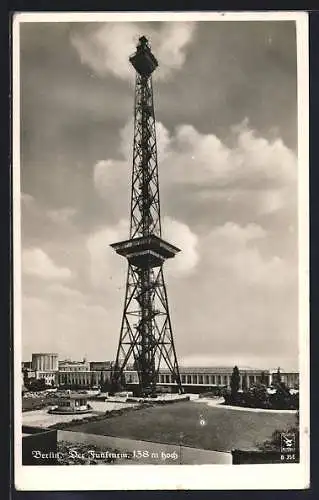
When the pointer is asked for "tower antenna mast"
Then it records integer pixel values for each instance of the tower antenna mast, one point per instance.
(146, 338)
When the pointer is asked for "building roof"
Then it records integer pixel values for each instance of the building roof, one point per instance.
(45, 354)
(70, 362)
(212, 369)
(216, 369)
(73, 396)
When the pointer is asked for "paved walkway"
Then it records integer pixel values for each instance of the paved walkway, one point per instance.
(41, 418)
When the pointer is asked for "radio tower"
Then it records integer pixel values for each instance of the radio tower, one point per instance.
(146, 338)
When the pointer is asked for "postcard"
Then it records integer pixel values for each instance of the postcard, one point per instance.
(160, 181)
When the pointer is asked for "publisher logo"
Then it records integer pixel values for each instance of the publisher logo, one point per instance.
(287, 442)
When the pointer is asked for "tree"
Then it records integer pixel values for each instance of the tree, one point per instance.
(278, 376)
(235, 383)
(106, 385)
(244, 384)
(38, 385)
(263, 378)
(259, 396)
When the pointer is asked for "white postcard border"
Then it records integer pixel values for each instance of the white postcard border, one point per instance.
(174, 477)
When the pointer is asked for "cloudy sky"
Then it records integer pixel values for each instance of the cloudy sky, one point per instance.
(225, 98)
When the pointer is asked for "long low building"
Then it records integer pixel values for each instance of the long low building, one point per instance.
(83, 379)
(84, 374)
(203, 378)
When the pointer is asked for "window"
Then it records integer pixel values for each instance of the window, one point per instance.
(195, 379)
(167, 380)
(219, 380)
(225, 379)
(200, 379)
(183, 379)
(213, 379)
(189, 379)
(206, 379)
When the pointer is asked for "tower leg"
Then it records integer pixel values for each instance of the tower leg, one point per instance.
(146, 339)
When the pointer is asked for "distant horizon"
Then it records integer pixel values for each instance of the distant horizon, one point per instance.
(181, 365)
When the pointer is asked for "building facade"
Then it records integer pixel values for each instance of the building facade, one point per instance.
(74, 366)
(204, 378)
(84, 374)
(44, 366)
(45, 361)
(83, 379)
(200, 379)
(100, 366)
(290, 379)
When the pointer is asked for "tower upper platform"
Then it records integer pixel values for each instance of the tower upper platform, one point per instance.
(146, 251)
(143, 60)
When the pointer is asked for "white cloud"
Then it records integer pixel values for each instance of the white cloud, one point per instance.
(180, 235)
(111, 174)
(253, 171)
(108, 174)
(27, 199)
(62, 215)
(235, 250)
(106, 49)
(126, 140)
(197, 158)
(75, 323)
(64, 293)
(105, 264)
(37, 263)
(232, 288)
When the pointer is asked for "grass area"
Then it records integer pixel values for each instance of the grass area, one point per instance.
(224, 430)
(29, 404)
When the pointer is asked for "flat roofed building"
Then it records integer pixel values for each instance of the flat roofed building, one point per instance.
(100, 365)
(74, 366)
(289, 378)
(203, 377)
(45, 361)
(83, 379)
(70, 404)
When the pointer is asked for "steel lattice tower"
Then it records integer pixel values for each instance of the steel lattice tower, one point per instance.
(146, 338)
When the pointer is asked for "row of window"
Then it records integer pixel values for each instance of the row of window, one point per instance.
(196, 379)
(77, 402)
(207, 379)
(73, 368)
(74, 380)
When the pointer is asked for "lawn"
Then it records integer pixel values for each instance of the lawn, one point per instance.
(224, 429)
(34, 404)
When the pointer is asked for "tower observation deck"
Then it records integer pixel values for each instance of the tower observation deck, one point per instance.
(146, 339)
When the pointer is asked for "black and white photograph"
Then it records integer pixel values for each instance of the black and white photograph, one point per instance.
(160, 205)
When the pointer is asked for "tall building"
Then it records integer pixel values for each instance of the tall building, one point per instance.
(44, 361)
(146, 338)
(45, 366)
